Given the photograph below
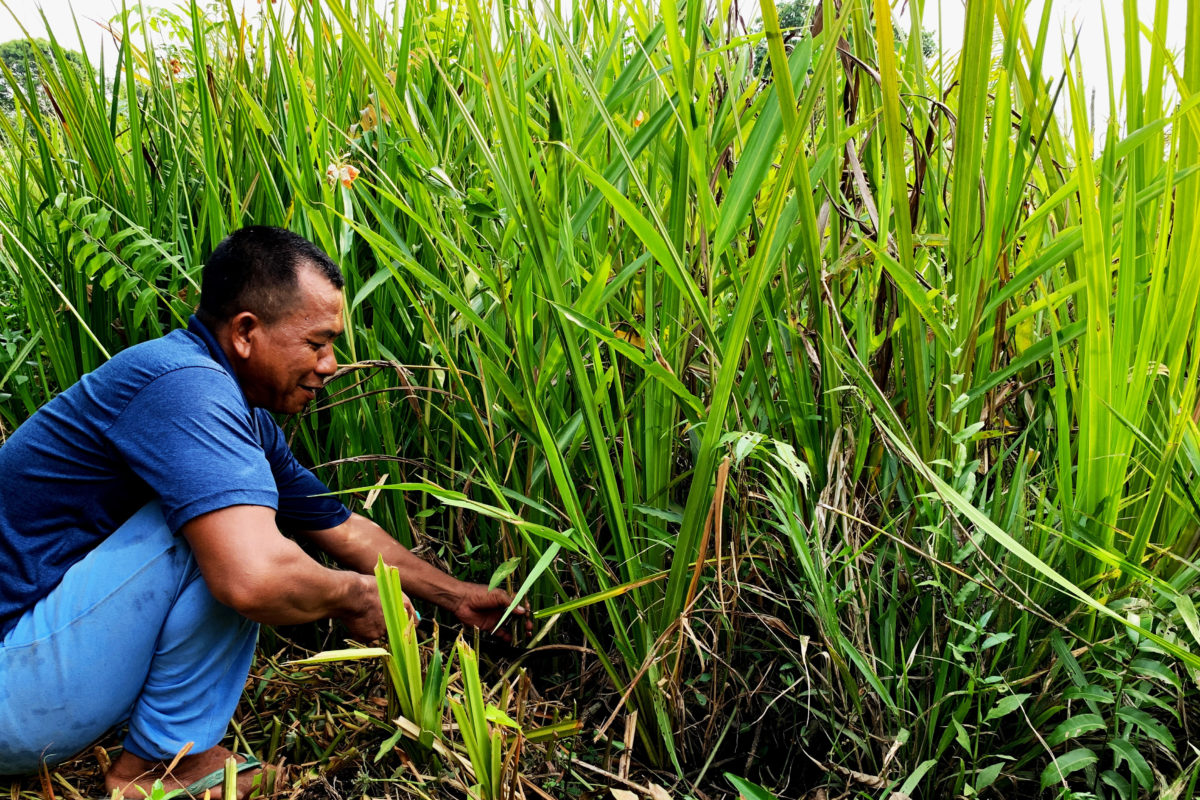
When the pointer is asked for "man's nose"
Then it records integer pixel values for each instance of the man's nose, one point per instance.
(326, 361)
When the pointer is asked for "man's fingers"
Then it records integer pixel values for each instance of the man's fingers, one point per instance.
(504, 598)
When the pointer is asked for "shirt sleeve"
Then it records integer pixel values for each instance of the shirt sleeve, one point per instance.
(189, 435)
(300, 504)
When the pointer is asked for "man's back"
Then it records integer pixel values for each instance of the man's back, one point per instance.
(68, 479)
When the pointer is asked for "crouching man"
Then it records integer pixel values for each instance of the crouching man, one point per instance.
(140, 519)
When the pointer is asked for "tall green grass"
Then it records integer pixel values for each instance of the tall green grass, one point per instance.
(857, 405)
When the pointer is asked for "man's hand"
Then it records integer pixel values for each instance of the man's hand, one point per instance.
(482, 608)
(358, 543)
(369, 624)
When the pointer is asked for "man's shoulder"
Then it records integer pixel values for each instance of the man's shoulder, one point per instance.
(179, 348)
(171, 374)
(180, 354)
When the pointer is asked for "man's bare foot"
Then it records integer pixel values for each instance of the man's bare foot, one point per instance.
(135, 777)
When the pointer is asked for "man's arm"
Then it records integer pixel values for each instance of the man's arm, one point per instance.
(357, 545)
(251, 567)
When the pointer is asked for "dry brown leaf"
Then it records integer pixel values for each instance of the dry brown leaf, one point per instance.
(624, 794)
(891, 753)
(657, 792)
(874, 781)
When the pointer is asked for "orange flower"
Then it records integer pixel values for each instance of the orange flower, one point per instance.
(345, 173)
(639, 119)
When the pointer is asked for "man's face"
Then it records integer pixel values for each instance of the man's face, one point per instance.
(290, 359)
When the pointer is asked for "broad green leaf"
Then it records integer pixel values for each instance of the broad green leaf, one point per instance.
(743, 443)
(1124, 788)
(369, 286)
(960, 735)
(497, 716)
(1064, 765)
(987, 776)
(914, 778)
(389, 744)
(1094, 694)
(505, 569)
(558, 730)
(1183, 603)
(1074, 727)
(995, 639)
(543, 564)
(747, 789)
(756, 159)
(914, 292)
(661, 513)
(1123, 750)
(1006, 705)
(1155, 669)
(254, 110)
(1148, 725)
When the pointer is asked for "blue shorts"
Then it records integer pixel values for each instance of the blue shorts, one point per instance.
(131, 636)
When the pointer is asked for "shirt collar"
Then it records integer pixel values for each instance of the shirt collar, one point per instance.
(201, 331)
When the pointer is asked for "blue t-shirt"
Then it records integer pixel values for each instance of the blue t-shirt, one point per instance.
(163, 419)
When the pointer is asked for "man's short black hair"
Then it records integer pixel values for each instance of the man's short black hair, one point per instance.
(255, 269)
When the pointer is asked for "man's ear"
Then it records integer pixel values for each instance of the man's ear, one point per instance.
(243, 329)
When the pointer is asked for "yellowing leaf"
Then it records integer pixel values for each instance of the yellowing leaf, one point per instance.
(494, 715)
(367, 118)
(629, 336)
(1023, 339)
(657, 792)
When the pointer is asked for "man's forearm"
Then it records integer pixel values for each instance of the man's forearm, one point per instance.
(280, 584)
(306, 592)
(358, 543)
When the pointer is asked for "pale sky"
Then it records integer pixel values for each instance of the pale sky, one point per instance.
(1066, 17)
(944, 16)
(62, 17)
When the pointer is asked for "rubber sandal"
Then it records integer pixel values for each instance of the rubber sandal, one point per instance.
(214, 779)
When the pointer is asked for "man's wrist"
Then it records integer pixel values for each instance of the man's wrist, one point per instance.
(359, 594)
(449, 595)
